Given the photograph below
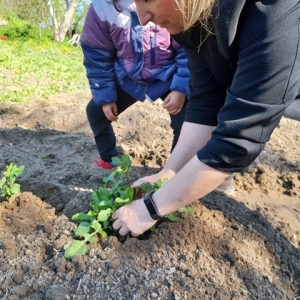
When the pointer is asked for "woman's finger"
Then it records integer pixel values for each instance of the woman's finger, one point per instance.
(114, 216)
(123, 231)
(117, 224)
(134, 234)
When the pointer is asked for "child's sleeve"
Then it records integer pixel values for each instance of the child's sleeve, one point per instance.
(180, 80)
(99, 57)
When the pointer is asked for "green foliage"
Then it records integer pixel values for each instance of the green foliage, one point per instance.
(32, 69)
(37, 12)
(6, 12)
(18, 29)
(8, 185)
(34, 11)
(115, 192)
(79, 15)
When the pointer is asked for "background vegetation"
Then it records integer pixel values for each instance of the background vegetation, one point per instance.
(32, 64)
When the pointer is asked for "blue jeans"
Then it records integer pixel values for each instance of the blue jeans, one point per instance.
(103, 131)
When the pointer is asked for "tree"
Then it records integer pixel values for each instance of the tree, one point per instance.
(60, 15)
(34, 11)
(61, 28)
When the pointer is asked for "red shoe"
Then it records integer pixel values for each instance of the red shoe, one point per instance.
(104, 165)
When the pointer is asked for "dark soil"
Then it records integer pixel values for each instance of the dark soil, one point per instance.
(245, 246)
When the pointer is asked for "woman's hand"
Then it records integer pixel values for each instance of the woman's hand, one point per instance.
(163, 174)
(133, 217)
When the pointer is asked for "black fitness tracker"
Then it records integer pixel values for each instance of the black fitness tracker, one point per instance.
(152, 209)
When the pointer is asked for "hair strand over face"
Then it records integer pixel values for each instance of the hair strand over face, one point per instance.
(193, 11)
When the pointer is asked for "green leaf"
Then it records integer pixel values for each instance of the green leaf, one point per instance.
(8, 186)
(93, 239)
(152, 228)
(76, 248)
(116, 160)
(172, 218)
(2, 182)
(92, 213)
(103, 234)
(126, 160)
(7, 191)
(82, 217)
(105, 224)
(15, 189)
(147, 187)
(104, 215)
(188, 210)
(121, 201)
(18, 170)
(106, 179)
(95, 199)
(159, 183)
(129, 193)
(106, 204)
(97, 227)
(83, 229)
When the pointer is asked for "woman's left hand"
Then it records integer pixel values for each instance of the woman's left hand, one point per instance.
(133, 217)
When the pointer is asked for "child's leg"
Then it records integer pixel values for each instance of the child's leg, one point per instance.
(102, 129)
(176, 124)
(103, 132)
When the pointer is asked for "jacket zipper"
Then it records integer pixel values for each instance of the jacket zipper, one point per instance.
(152, 45)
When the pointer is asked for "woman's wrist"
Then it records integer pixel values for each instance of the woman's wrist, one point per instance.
(151, 207)
(167, 174)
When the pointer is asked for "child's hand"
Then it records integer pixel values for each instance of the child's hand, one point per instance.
(111, 111)
(173, 102)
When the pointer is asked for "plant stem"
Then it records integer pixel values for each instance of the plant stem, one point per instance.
(128, 179)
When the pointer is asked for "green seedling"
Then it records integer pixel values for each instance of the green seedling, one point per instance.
(8, 185)
(115, 192)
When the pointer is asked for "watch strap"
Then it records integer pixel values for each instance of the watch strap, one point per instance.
(152, 209)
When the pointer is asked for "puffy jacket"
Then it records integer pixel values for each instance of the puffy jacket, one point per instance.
(144, 61)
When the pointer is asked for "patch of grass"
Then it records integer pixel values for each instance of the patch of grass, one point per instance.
(32, 69)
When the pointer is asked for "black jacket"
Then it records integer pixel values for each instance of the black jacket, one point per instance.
(243, 76)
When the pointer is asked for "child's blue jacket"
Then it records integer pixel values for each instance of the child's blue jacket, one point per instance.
(146, 62)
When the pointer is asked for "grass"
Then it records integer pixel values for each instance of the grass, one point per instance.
(31, 69)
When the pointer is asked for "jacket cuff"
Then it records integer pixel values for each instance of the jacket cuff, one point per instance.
(180, 84)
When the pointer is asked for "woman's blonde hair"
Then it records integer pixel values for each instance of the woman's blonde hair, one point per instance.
(194, 11)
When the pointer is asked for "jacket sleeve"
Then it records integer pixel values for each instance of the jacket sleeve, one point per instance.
(180, 80)
(264, 83)
(99, 56)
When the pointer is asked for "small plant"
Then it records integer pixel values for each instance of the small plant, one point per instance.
(8, 185)
(115, 192)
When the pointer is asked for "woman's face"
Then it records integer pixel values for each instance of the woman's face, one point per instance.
(161, 12)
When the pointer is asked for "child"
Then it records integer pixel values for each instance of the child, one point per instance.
(126, 62)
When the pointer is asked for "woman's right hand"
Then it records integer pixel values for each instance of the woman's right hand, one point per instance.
(163, 174)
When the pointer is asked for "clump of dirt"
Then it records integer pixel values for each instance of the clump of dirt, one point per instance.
(245, 246)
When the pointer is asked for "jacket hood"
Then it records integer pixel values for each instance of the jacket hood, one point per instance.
(128, 5)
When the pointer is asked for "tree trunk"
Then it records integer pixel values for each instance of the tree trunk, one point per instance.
(60, 29)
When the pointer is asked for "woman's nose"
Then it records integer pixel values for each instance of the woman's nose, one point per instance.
(144, 17)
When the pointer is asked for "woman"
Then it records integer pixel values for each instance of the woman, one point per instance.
(245, 71)
(126, 62)
(293, 111)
